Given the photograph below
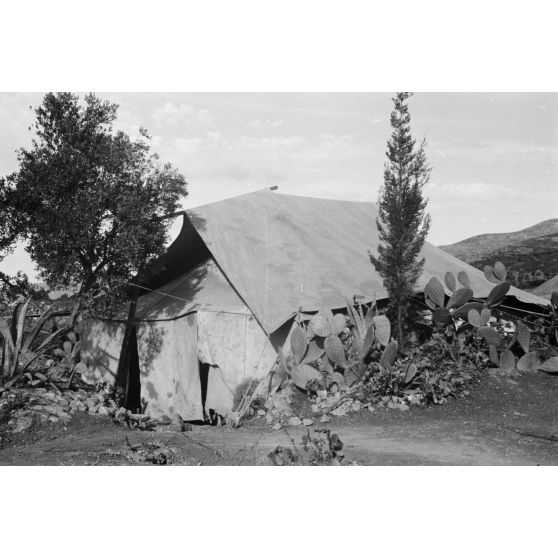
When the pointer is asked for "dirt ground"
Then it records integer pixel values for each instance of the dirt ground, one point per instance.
(504, 421)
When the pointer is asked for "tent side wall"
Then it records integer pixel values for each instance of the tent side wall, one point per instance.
(236, 349)
(101, 343)
(168, 363)
(231, 342)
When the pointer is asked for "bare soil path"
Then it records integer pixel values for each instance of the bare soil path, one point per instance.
(504, 421)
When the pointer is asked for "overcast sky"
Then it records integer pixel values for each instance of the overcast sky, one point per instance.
(494, 156)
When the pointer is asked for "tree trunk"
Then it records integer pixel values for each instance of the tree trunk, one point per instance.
(400, 324)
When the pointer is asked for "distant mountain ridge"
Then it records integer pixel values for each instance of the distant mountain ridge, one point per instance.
(481, 246)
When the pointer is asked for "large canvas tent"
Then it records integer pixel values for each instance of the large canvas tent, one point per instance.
(239, 270)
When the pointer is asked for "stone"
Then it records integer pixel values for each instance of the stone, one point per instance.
(269, 418)
(343, 409)
(102, 396)
(322, 394)
(356, 406)
(315, 408)
(21, 424)
(261, 413)
(325, 418)
(307, 422)
(294, 421)
(65, 417)
(104, 411)
(52, 418)
(276, 426)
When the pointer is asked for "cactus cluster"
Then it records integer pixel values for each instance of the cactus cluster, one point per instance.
(499, 351)
(478, 315)
(459, 305)
(332, 348)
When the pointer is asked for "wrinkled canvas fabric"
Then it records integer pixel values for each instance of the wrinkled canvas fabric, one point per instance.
(284, 253)
(236, 348)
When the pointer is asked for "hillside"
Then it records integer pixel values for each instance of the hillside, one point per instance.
(529, 263)
(479, 247)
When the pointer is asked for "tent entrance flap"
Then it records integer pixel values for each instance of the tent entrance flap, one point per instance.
(236, 348)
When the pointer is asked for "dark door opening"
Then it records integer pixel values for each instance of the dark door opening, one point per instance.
(133, 384)
(204, 375)
(210, 416)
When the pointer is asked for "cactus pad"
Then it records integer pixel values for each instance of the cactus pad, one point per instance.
(299, 344)
(459, 298)
(434, 291)
(338, 323)
(497, 295)
(491, 336)
(389, 355)
(335, 351)
(499, 271)
(382, 329)
(485, 316)
(320, 325)
(301, 374)
(314, 352)
(507, 361)
(474, 318)
(449, 280)
(463, 278)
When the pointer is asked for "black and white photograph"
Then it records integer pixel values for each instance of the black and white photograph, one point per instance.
(278, 278)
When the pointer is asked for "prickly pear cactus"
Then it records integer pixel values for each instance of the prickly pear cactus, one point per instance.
(335, 351)
(299, 344)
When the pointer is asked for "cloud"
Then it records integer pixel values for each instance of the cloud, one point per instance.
(183, 114)
(471, 193)
(462, 210)
(264, 123)
(489, 150)
(188, 146)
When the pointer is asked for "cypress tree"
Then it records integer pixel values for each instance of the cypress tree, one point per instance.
(402, 219)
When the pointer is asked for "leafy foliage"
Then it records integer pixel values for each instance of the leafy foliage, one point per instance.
(21, 347)
(402, 219)
(88, 200)
(14, 287)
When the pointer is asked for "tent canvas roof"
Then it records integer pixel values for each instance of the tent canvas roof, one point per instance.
(547, 288)
(281, 252)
